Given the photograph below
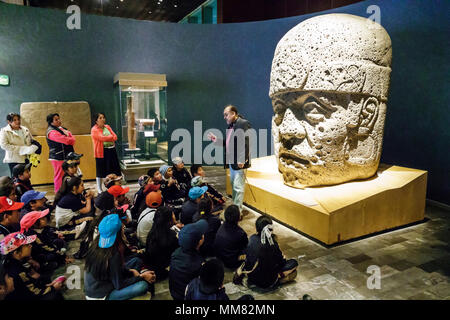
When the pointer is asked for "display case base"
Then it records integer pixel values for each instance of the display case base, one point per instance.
(394, 197)
(133, 171)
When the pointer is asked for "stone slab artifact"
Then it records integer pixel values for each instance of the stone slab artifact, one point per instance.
(329, 85)
(131, 131)
(75, 116)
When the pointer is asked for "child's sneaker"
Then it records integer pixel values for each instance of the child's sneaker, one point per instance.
(79, 229)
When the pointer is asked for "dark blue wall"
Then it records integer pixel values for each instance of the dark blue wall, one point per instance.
(208, 66)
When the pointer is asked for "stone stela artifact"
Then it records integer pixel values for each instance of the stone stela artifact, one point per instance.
(131, 124)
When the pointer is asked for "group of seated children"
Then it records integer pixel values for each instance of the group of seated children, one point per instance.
(171, 229)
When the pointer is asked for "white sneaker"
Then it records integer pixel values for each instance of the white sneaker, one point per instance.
(79, 229)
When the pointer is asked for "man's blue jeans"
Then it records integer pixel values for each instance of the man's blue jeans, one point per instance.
(237, 179)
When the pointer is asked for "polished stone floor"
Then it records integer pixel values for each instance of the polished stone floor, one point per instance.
(414, 262)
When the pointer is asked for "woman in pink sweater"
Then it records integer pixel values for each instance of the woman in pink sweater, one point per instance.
(103, 139)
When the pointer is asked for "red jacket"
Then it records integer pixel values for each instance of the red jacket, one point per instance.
(98, 138)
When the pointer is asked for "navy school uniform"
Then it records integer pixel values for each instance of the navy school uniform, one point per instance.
(26, 287)
(196, 292)
(230, 242)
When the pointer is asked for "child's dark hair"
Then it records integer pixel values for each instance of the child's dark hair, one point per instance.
(212, 273)
(11, 115)
(66, 165)
(261, 222)
(72, 182)
(6, 190)
(151, 172)
(3, 214)
(160, 232)
(205, 207)
(232, 214)
(50, 118)
(194, 168)
(97, 259)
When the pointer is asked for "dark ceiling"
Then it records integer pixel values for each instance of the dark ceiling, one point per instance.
(155, 10)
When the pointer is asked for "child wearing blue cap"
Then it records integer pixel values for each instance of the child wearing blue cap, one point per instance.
(34, 201)
(190, 207)
(106, 276)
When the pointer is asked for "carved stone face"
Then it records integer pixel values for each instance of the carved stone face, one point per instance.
(326, 138)
(329, 84)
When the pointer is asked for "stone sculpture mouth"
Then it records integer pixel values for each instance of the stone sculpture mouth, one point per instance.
(288, 158)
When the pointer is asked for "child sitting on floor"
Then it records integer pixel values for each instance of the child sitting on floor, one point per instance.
(190, 206)
(161, 242)
(106, 275)
(34, 201)
(186, 261)
(171, 191)
(146, 185)
(231, 240)
(70, 168)
(22, 176)
(204, 212)
(72, 213)
(153, 201)
(17, 248)
(44, 250)
(9, 216)
(209, 285)
(181, 175)
(198, 180)
(265, 265)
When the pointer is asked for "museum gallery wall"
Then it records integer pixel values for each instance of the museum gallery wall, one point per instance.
(208, 66)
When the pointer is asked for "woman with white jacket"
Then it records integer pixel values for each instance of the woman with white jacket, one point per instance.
(16, 141)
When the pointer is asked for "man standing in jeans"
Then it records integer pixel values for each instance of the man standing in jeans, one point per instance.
(236, 155)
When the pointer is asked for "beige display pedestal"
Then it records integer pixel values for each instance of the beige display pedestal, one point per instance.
(394, 197)
(43, 173)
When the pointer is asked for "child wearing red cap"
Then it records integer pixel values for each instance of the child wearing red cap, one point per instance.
(153, 200)
(17, 248)
(9, 216)
(46, 253)
(119, 195)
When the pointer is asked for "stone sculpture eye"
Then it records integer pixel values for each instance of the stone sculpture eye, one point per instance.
(279, 109)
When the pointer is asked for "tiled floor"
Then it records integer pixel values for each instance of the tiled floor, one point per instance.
(414, 262)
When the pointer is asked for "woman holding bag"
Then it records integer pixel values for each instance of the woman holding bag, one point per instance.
(16, 140)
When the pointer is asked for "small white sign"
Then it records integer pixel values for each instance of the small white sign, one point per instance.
(4, 80)
(148, 134)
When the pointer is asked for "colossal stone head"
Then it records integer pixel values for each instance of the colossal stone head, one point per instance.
(329, 84)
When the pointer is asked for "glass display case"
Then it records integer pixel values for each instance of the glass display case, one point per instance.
(142, 138)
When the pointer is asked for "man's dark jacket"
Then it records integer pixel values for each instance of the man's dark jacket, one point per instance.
(244, 153)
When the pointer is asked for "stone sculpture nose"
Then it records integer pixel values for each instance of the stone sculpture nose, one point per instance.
(292, 131)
